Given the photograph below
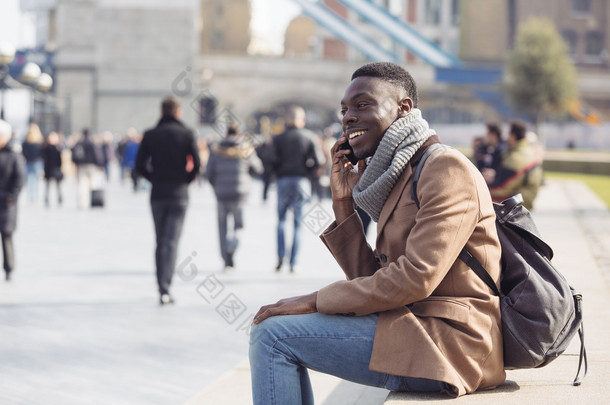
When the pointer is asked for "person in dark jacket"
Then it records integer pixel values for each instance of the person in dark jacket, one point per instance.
(491, 149)
(51, 157)
(12, 177)
(231, 164)
(295, 158)
(169, 159)
(89, 160)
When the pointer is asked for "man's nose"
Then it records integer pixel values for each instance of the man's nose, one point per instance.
(349, 118)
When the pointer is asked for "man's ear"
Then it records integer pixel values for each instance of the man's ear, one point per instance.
(405, 105)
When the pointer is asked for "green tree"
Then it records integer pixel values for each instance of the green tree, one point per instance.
(541, 78)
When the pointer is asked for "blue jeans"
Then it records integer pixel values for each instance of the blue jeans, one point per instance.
(282, 348)
(33, 175)
(291, 193)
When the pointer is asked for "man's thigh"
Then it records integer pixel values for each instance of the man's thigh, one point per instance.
(337, 345)
(333, 344)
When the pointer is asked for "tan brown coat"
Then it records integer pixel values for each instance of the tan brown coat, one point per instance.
(437, 319)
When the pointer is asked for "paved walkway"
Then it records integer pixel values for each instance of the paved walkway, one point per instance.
(80, 321)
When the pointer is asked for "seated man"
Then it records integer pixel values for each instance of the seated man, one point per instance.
(410, 316)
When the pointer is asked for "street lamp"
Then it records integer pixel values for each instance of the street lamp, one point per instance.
(44, 82)
(7, 54)
(30, 74)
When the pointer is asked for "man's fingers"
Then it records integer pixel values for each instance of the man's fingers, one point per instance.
(266, 313)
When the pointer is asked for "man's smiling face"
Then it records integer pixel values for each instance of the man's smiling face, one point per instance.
(369, 106)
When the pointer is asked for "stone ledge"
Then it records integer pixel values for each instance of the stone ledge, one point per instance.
(548, 385)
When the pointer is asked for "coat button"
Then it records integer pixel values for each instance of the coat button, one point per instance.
(383, 258)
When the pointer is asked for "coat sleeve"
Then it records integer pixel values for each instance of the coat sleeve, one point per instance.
(210, 170)
(142, 159)
(194, 152)
(449, 211)
(18, 177)
(347, 243)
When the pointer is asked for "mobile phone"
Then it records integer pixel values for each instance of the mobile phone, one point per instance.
(350, 156)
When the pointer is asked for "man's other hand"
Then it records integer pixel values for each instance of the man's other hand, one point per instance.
(304, 304)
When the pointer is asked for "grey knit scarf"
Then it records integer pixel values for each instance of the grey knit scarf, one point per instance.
(399, 143)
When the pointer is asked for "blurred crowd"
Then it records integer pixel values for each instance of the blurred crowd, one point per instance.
(511, 165)
(227, 161)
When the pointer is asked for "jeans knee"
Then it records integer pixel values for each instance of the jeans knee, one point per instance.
(267, 333)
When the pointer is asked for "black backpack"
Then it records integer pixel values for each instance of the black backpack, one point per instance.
(540, 311)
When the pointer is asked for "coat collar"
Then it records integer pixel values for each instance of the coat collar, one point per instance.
(402, 182)
(168, 119)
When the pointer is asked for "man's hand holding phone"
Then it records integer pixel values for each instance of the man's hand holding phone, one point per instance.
(343, 179)
(350, 156)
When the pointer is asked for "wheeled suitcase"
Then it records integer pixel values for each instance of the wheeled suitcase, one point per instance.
(97, 198)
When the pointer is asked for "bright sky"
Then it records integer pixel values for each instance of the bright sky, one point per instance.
(269, 21)
(14, 27)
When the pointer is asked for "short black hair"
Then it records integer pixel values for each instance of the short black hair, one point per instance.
(169, 106)
(494, 128)
(392, 73)
(518, 128)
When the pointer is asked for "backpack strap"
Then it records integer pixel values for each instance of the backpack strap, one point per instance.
(419, 168)
(479, 269)
(464, 255)
(581, 334)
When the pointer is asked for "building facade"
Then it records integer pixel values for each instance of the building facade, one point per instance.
(224, 26)
(116, 59)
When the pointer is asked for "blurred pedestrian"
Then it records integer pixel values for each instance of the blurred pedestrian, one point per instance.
(230, 167)
(491, 149)
(294, 159)
(119, 152)
(32, 151)
(130, 151)
(107, 152)
(168, 157)
(12, 177)
(87, 155)
(51, 156)
(265, 154)
(520, 170)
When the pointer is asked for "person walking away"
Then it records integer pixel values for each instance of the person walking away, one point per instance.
(32, 151)
(129, 157)
(230, 168)
(163, 157)
(265, 154)
(107, 152)
(87, 156)
(51, 157)
(520, 170)
(12, 177)
(294, 159)
(410, 315)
